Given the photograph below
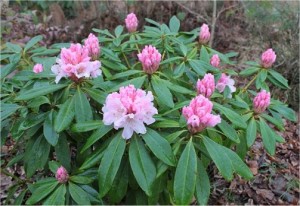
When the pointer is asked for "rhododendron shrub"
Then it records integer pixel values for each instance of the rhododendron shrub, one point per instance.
(134, 117)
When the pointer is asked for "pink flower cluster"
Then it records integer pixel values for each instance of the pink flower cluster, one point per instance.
(206, 86)
(268, 58)
(131, 22)
(150, 59)
(225, 81)
(62, 175)
(129, 109)
(204, 34)
(92, 45)
(75, 63)
(38, 68)
(215, 61)
(198, 114)
(261, 101)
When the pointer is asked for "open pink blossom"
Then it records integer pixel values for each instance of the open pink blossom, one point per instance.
(150, 59)
(198, 114)
(75, 63)
(62, 175)
(226, 81)
(206, 86)
(268, 58)
(38, 68)
(131, 22)
(261, 101)
(92, 45)
(204, 34)
(215, 61)
(129, 108)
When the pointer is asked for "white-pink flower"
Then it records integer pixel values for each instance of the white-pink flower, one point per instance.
(75, 63)
(215, 61)
(198, 114)
(92, 45)
(62, 175)
(261, 101)
(226, 81)
(206, 86)
(204, 34)
(38, 68)
(131, 22)
(150, 59)
(268, 58)
(129, 108)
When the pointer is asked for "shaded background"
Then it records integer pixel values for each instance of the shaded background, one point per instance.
(246, 27)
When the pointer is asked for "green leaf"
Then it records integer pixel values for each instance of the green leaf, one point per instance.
(98, 134)
(38, 101)
(96, 95)
(32, 42)
(8, 109)
(111, 55)
(279, 77)
(53, 166)
(179, 70)
(185, 175)
(237, 164)
(166, 123)
(159, 146)
(81, 179)
(62, 151)
(57, 197)
(162, 91)
(13, 47)
(118, 30)
(142, 165)
(249, 71)
(110, 163)
(20, 197)
(197, 67)
(83, 111)
(267, 137)
(39, 91)
(78, 194)
(65, 116)
(251, 132)
(234, 117)
(174, 24)
(48, 129)
(202, 191)
(137, 82)
(204, 54)
(221, 161)
(273, 120)
(152, 22)
(42, 191)
(86, 126)
(37, 156)
(169, 60)
(229, 131)
(285, 111)
(7, 69)
(125, 74)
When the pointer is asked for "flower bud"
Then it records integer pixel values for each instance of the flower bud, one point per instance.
(150, 59)
(38, 68)
(268, 58)
(204, 34)
(131, 22)
(215, 61)
(92, 45)
(206, 86)
(62, 175)
(261, 101)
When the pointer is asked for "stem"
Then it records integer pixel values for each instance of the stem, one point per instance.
(248, 85)
(137, 47)
(128, 65)
(19, 180)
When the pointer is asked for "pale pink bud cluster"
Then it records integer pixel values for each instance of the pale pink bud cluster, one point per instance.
(131, 22)
(204, 34)
(268, 58)
(226, 81)
(198, 114)
(215, 61)
(38, 68)
(92, 45)
(206, 86)
(62, 175)
(75, 63)
(129, 108)
(261, 101)
(150, 59)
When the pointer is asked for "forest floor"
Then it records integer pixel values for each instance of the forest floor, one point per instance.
(276, 178)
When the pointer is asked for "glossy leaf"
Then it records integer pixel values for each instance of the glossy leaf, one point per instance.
(64, 116)
(251, 132)
(202, 191)
(83, 111)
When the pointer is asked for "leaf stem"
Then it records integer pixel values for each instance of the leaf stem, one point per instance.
(248, 85)
(128, 65)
